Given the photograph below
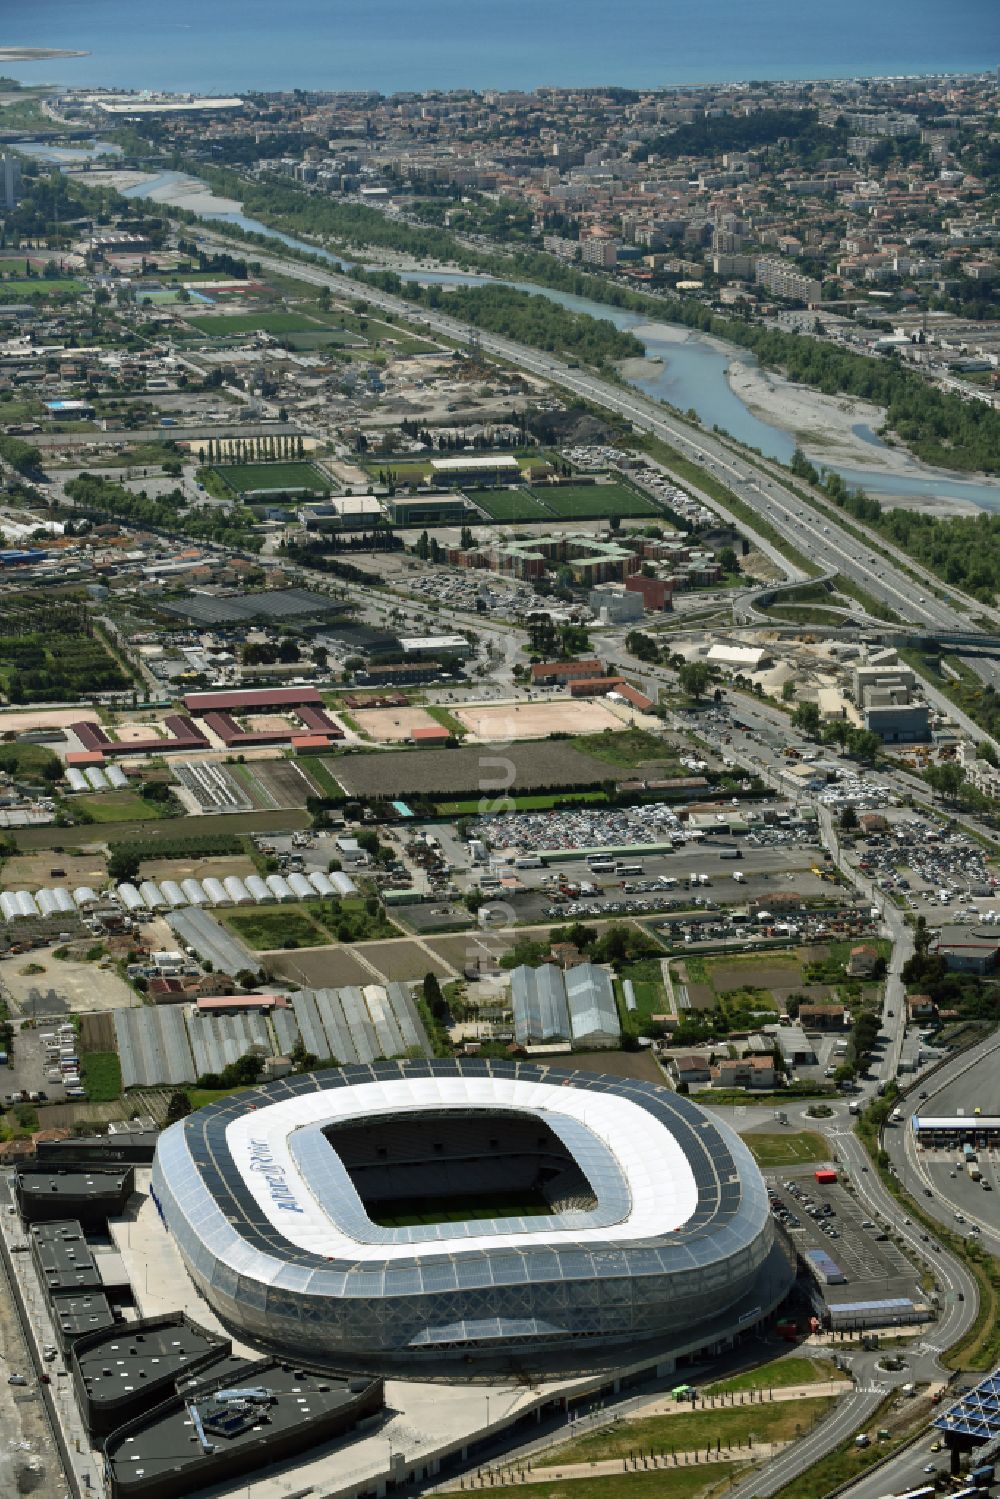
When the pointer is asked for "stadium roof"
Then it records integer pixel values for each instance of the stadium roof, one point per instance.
(287, 1134)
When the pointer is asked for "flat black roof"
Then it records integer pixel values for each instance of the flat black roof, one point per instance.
(80, 1312)
(64, 1258)
(167, 1439)
(233, 609)
(144, 1354)
(72, 1183)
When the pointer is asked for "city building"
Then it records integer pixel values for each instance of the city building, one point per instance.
(10, 182)
(783, 280)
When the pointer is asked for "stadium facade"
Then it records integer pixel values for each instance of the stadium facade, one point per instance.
(468, 1210)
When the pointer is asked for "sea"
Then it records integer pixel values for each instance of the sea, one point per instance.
(227, 46)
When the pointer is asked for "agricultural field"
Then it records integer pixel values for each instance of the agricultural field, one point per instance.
(592, 501)
(440, 773)
(788, 1148)
(244, 478)
(50, 653)
(274, 784)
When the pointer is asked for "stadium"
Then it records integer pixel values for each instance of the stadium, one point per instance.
(468, 1210)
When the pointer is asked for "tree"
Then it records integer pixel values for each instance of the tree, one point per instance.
(787, 691)
(178, 1106)
(694, 677)
(849, 817)
(728, 560)
(946, 779)
(807, 720)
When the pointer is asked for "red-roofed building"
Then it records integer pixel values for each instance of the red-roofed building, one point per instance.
(595, 686)
(565, 671)
(303, 744)
(84, 757)
(634, 697)
(228, 1004)
(251, 699)
(435, 733)
(184, 735)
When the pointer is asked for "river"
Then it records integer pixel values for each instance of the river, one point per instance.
(689, 372)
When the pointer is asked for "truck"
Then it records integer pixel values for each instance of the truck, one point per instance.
(825, 1176)
(854, 1107)
(729, 851)
(974, 1172)
(738, 876)
(968, 1153)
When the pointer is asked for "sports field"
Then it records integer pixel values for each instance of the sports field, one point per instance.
(222, 326)
(244, 478)
(509, 504)
(392, 725)
(592, 501)
(405, 1212)
(790, 1148)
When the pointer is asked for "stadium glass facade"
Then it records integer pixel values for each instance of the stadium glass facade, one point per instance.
(672, 1230)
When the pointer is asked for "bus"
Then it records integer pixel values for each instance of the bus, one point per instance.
(601, 866)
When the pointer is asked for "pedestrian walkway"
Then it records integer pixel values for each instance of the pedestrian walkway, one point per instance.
(491, 1478)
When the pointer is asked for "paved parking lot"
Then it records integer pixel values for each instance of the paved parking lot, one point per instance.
(940, 875)
(875, 1268)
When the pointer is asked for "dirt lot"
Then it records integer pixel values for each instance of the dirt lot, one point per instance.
(639, 1064)
(392, 725)
(20, 721)
(319, 967)
(97, 1033)
(196, 869)
(64, 987)
(771, 975)
(499, 723)
(404, 960)
(34, 871)
(476, 770)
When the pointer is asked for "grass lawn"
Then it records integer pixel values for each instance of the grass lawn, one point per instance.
(789, 1149)
(220, 326)
(115, 806)
(265, 927)
(623, 746)
(675, 1483)
(543, 802)
(199, 1097)
(244, 477)
(101, 1075)
(650, 993)
(26, 761)
(308, 924)
(780, 1422)
(586, 501)
(781, 1375)
(446, 719)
